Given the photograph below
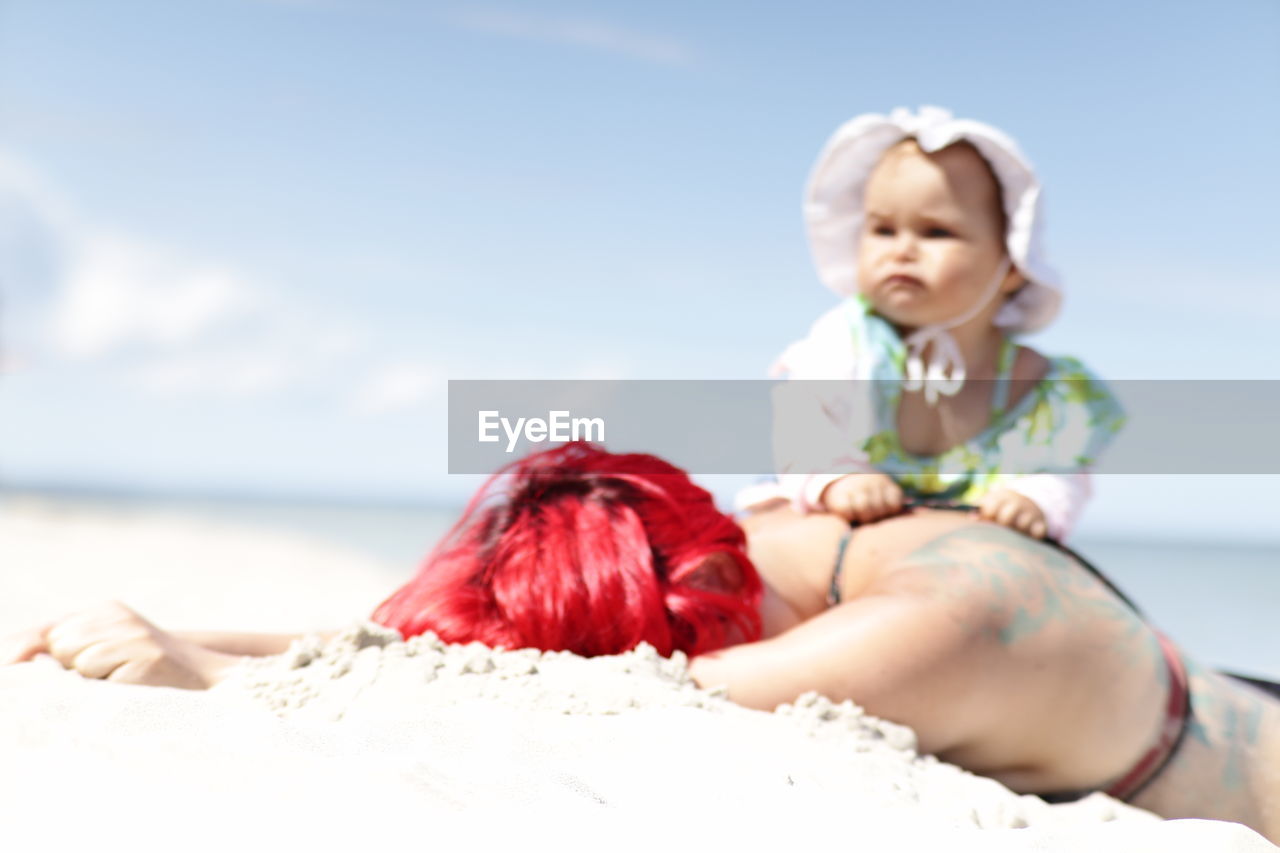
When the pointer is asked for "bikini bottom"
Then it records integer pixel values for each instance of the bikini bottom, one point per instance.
(1177, 716)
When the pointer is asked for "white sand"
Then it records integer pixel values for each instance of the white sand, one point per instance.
(177, 570)
(373, 742)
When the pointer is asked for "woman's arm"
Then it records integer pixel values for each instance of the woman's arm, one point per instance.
(113, 643)
(243, 644)
(900, 656)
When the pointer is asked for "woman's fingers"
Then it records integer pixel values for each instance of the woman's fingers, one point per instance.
(71, 636)
(24, 645)
(96, 641)
(112, 642)
(138, 672)
(96, 661)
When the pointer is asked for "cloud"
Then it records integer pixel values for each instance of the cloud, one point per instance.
(120, 292)
(162, 321)
(593, 35)
(396, 387)
(170, 325)
(103, 292)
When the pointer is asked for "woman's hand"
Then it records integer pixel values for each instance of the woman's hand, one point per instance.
(113, 643)
(1014, 510)
(24, 645)
(863, 497)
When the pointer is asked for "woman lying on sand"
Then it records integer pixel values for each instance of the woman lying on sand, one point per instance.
(1005, 655)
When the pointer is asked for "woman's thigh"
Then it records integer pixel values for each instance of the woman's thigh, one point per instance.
(1228, 764)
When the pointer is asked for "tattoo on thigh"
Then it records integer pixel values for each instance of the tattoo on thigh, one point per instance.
(1227, 719)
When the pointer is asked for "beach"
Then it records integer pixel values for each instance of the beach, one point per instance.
(364, 740)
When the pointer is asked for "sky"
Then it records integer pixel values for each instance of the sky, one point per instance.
(245, 243)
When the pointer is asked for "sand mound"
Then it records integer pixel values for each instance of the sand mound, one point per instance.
(367, 742)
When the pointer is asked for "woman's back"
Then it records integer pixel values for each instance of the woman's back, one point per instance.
(1052, 682)
(1046, 681)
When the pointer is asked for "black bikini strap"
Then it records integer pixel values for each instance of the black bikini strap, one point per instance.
(833, 591)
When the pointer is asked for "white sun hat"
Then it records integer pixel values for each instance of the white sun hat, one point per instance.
(834, 198)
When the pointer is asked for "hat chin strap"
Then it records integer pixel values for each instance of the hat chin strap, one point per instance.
(944, 375)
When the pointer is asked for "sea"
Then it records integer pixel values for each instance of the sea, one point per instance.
(1219, 600)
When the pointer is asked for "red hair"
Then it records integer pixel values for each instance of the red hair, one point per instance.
(585, 551)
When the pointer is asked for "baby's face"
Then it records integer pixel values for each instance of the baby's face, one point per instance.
(933, 236)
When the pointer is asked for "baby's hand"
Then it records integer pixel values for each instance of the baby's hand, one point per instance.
(1014, 510)
(863, 497)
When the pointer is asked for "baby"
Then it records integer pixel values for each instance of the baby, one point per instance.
(930, 225)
